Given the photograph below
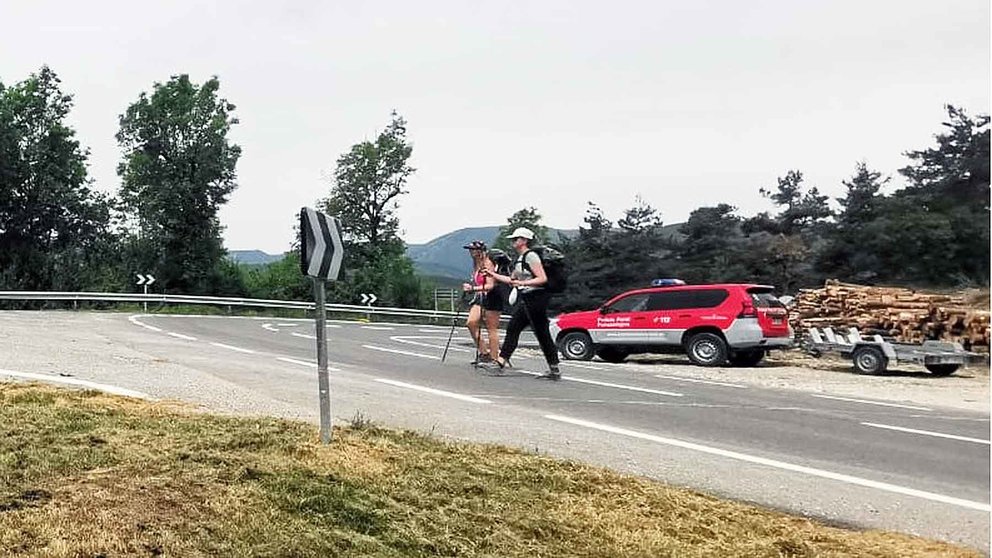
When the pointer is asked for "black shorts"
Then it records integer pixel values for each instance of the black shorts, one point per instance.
(492, 302)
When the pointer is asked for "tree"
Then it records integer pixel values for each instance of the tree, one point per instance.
(368, 181)
(852, 250)
(178, 169)
(801, 208)
(527, 217)
(711, 247)
(949, 193)
(54, 229)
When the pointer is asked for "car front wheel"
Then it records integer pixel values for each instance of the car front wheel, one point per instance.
(576, 345)
(706, 349)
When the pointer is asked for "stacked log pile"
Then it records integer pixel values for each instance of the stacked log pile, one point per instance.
(907, 315)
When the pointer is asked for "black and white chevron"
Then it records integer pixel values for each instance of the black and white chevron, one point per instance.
(321, 249)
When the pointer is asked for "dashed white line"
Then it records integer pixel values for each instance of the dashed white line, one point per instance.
(379, 328)
(306, 363)
(928, 433)
(134, 320)
(407, 353)
(75, 382)
(181, 336)
(932, 496)
(232, 348)
(585, 366)
(835, 398)
(433, 391)
(428, 345)
(303, 335)
(698, 381)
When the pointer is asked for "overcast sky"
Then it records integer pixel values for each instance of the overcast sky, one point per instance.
(511, 104)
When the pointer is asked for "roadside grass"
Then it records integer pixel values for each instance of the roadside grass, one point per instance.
(88, 474)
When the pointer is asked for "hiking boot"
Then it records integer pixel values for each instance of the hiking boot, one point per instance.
(552, 374)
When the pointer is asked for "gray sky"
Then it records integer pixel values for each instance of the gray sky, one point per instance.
(510, 104)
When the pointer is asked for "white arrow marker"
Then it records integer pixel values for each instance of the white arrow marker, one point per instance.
(372, 299)
(141, 279)
(151, 279)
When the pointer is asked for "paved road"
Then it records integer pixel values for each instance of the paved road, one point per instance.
(858, 461)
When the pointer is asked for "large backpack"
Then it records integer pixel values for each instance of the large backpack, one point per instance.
(503, 265)
(553, 262)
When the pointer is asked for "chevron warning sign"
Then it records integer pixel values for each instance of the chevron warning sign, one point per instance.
(321, 249)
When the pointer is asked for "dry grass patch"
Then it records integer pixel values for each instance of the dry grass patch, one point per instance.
(86, 474)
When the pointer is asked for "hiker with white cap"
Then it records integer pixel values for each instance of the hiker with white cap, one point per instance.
(528, 279)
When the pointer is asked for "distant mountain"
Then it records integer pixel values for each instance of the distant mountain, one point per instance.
(445, 257)
(253, 257)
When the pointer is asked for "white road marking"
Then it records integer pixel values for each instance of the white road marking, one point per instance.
(306, 363)
(303, 335)
(269, 327)
(75, 382)
(181, 336)
(134, 320)
(432, 331)
(458, 396)
(231, 348)
(385, 350)
(604, 384)
(286, 325)
(698, 381)
(980, 506)
(428, 345)
(585, 366)
(379, 328)
(872, 402)
(928, 433)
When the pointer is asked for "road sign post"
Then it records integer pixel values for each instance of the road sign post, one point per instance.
(321, 253)
(146, 281)
(323, 381)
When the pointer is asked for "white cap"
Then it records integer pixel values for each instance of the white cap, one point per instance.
(522, 232)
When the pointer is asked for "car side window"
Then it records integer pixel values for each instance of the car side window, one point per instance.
(683, 300)
(632, 303)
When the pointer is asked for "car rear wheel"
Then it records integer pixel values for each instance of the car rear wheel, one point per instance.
(869, 360)
(942, 369)
(706, 349)
(576, 345)
(612, 354)
(747, 359)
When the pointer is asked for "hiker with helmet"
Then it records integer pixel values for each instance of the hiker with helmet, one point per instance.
(529, 281)
(484, 306)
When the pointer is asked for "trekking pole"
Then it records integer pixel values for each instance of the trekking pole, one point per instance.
(452, 332)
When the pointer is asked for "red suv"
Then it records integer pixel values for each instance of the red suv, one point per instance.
(712, 324)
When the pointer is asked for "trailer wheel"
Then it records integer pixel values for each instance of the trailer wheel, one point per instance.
(942, 369)
(870, 360)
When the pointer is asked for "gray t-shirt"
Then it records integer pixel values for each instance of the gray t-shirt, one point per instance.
(522, 273)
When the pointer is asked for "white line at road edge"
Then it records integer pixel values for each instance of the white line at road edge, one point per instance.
(458, 396)
(778, 464)
(181, 336)
(621, 386)
(134, 320)
(230, 348)
(74, 382)
(928, 433)
(698, 381)
(305, 363)
(379, 328)
(835, 398)
(407, 353)
(303, 335)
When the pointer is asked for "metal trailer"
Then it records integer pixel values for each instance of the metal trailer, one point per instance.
(872, 356)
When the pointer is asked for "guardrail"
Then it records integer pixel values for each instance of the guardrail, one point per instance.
(222, 301)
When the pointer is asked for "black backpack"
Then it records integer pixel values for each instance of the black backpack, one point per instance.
(503, 264)
(553, 262)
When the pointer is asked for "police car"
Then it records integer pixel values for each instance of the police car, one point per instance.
(712, 324)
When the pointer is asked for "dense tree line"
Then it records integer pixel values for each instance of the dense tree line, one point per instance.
(178, 168)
